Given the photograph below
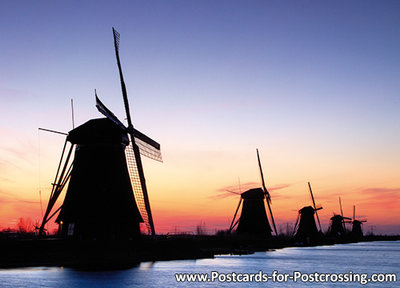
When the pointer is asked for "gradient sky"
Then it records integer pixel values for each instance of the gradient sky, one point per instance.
(313, 84)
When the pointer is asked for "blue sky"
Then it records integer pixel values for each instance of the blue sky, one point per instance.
(313, 84)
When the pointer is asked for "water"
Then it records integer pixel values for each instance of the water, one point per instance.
(367, 257)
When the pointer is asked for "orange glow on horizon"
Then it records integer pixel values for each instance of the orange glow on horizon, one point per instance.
(190, 189)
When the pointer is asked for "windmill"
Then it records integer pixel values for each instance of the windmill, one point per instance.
(253, 218)
(106, 178)
(307, 229)
(356, 230)
(338, 223)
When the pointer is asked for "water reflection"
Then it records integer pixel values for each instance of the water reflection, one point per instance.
(374, 257)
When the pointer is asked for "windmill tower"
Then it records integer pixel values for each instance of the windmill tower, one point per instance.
(307, 229)
(107, 195)
(356, 230)
(338, 224)
(253, 219)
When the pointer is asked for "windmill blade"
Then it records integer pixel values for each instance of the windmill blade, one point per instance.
(106, 112)
(225, 194)
(135, 147)
(234, 216)
(295, 225)
(340, 204)
(53, 131)
(60, 180)
(147, 146)
(312, 195)
(146, 139)
(315, 207)
(72, 113)
(233, 192)
(266, 193)
(272, 218)
(121, 76)
(148, 151)
(136, 186)
(236, 223)
(341, 212)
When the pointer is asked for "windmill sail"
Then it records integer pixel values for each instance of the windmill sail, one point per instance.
(106, 112)
(136, 185)
(135, 147)
(266, 193)
(315, 207)
(147, 146)
(233, 224)
(60, 181)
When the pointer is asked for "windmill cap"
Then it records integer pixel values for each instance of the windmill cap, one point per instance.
(307, 210)
(337, 217)
(256, 193)
(98, 131)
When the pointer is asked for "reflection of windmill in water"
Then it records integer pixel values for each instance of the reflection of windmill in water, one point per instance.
(337, 227)
(307, 229)
(356, 230)
(106, 179)
(253, 219)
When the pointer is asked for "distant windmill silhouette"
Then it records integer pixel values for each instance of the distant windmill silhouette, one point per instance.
(102, 177)
(337, 227)
(356, 230)
(307, 229)
(253, 219)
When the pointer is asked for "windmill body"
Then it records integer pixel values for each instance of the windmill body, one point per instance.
(253, 218)
(337, 228)
(99, 202)
(356, 230)
(307, 231)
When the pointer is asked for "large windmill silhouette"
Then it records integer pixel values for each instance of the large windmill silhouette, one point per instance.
(105, 180)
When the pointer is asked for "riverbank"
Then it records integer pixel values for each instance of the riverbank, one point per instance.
(106, 255)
